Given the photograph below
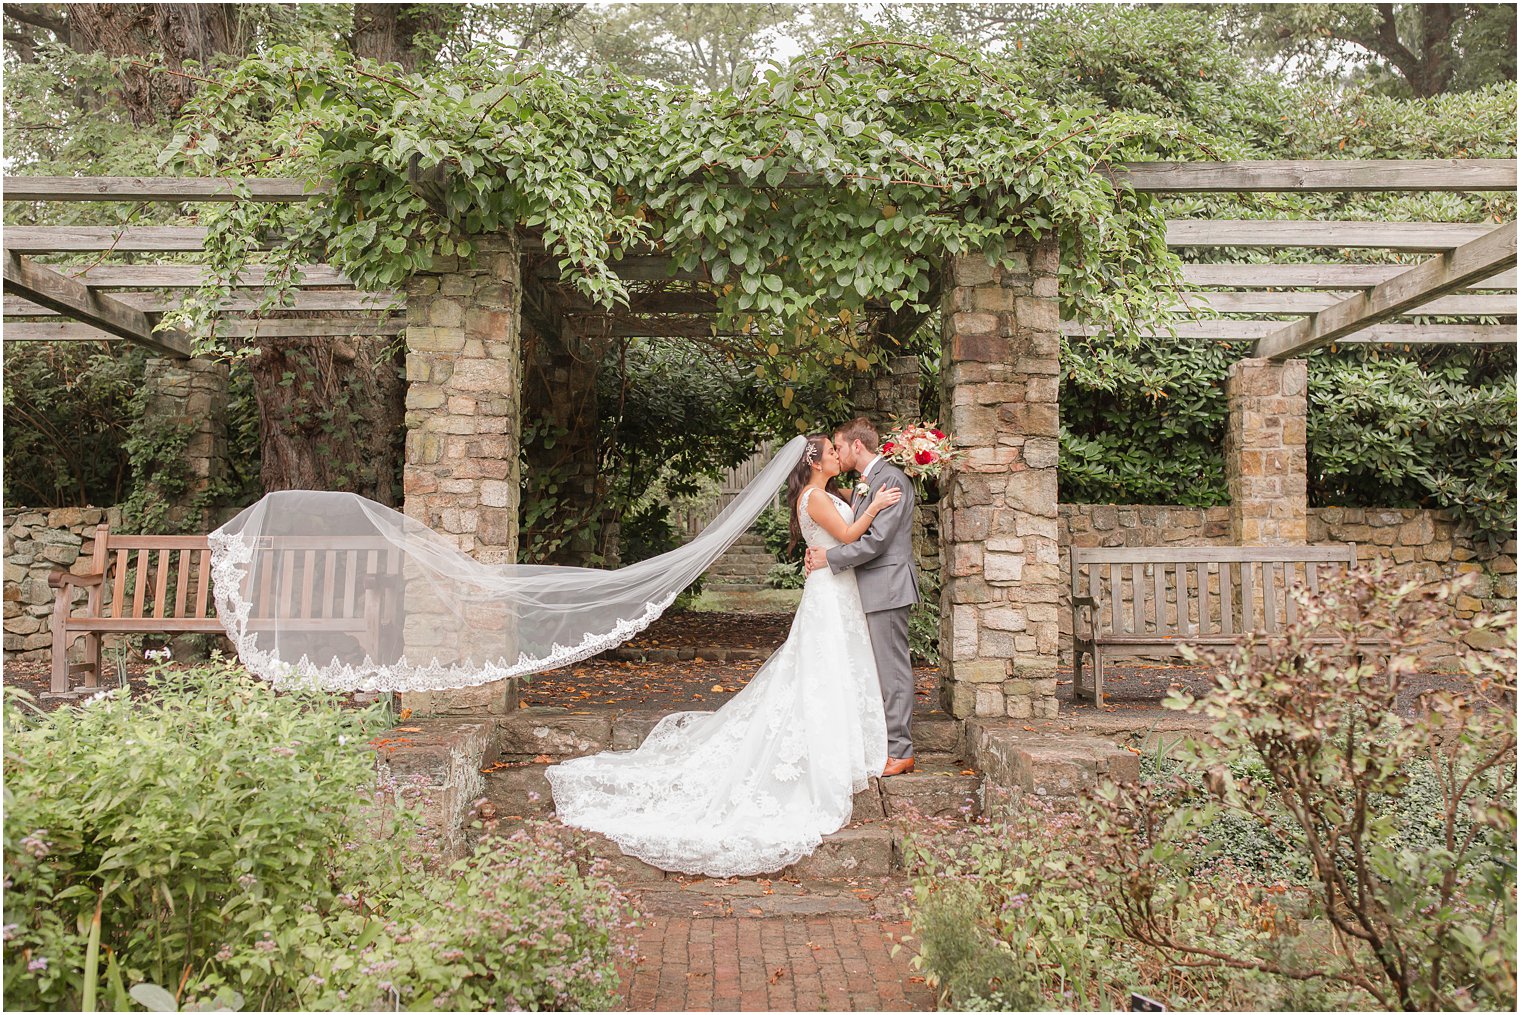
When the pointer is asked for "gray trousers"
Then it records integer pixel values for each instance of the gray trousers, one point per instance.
(894, 669)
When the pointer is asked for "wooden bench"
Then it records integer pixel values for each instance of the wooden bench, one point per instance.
(1128, 601)
(162, 585)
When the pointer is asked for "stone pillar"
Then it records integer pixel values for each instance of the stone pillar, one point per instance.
(1265, 453)
(463, 371)
(191, 395)
(998, 523)
(890, 395)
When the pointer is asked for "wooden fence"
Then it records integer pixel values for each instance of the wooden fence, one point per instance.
(693, 518)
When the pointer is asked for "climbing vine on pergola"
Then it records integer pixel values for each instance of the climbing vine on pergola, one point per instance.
(817, 200)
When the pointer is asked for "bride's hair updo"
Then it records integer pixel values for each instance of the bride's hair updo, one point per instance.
(799, 478)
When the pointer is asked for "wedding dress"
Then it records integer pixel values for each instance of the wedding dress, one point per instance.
(754, 786)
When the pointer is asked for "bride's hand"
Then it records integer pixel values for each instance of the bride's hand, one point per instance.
(886, 498)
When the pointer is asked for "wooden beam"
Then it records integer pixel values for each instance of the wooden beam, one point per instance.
(1492, 252)
(42, 285)
(116, 239)
(337, 327)
(155, 188)
(189, 276)
(1464, 305)
(154, 303)
(1338, 235)
(1264, 176)
(1180, 233)
(1312, 276)
(1391, 334)
(1318, 176)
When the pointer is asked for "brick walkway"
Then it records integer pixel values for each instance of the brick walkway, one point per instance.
(824, 963)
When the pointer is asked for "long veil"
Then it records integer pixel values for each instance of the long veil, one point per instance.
(336, 591)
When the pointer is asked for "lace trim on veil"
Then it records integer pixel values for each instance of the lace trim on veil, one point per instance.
(230, 558)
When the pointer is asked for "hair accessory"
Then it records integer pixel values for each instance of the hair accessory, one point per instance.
(813, 453)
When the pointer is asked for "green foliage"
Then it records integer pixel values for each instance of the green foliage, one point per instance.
(923, 621)
(1318, 849)
(648, 532)
(919, 150)
(1404, 827)
(775, 526)
(1429, 430)
(234, 841)
(68, 412)
(786, 574)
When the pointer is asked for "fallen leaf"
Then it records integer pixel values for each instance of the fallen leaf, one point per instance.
(408, 729)
(406, 714)
(718, 688)
(542, 759)
(778, 974)
(1029, 728)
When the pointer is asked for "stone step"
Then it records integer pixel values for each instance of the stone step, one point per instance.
(855, 851)
(939, 787)
(561, 734)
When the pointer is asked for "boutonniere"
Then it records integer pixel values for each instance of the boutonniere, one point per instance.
(862, 488)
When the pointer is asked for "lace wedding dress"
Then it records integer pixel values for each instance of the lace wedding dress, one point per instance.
(754, 786)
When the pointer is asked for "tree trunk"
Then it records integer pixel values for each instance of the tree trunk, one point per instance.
(145, 32)
(330, 415)
(399, 33)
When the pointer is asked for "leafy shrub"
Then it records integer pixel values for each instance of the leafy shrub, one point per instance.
(648, 532)
(923, 621)
(1318, 850)
(232, 839)
(775, 527)
(788, 574)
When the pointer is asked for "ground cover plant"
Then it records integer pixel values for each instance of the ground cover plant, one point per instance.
(230, 845)
(1318, 850)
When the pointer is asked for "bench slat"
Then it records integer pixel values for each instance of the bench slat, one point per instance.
(140, 589)
(1247, 596)
(1113, 597)
(202, 583)
(1226, 624)
(161, 584)
(1290, 605)
(119, 586)
(1269, 595)
(182, 584)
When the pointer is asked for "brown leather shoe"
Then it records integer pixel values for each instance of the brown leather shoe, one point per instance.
(897, 766)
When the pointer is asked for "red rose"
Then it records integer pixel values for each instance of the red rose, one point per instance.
(888, 448)
(937, 435)
(923, 458)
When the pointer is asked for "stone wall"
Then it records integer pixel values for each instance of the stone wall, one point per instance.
(1427, 545)
(189, 394)
(38, 543)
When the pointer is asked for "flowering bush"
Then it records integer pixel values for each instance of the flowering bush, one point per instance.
(233, 842)
(920, 450)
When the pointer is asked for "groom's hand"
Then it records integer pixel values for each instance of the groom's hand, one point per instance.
(817, 557)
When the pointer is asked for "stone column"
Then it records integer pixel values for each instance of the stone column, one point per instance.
(463, 371)
(191, 395)
(889, 395)
(1265, 453)
(998, 521)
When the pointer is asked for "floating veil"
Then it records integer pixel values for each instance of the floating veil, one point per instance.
(333, 590)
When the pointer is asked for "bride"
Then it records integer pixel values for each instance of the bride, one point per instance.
(754, 786)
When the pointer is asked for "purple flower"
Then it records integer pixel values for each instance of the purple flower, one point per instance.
(37, 964)
(224, 953)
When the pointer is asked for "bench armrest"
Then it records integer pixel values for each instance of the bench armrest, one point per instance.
(58, 579)
(1078, 604)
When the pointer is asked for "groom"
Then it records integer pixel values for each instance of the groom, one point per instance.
(884, 571)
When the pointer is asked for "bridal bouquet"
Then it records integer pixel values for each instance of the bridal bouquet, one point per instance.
(920, 450)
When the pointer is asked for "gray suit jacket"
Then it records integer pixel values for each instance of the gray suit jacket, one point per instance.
(883, 557)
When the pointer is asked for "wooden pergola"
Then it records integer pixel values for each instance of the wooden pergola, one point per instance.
(1283, 309)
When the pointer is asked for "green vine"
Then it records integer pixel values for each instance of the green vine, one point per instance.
(838, 179)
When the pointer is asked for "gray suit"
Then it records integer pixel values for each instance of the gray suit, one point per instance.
(888, 580)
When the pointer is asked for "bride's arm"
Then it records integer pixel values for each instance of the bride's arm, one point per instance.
(823, 511)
